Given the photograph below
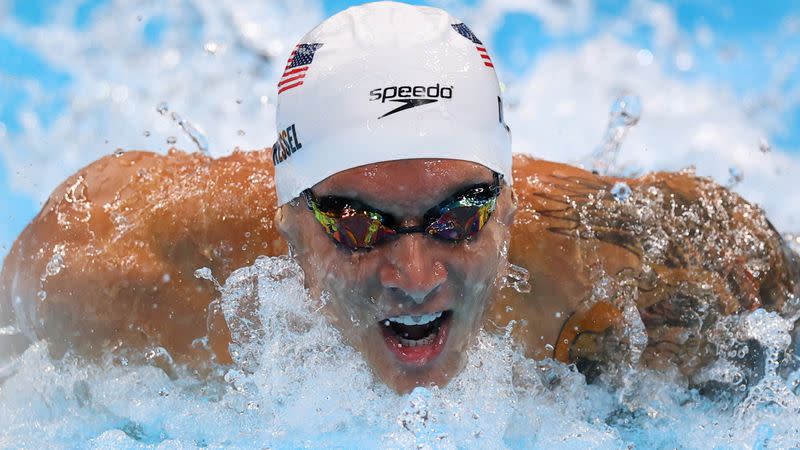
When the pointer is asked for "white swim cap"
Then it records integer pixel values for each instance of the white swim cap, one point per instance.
(386, 81)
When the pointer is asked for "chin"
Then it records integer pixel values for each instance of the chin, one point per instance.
(404, 379)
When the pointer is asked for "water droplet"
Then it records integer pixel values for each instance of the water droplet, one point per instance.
(735, 176)
(644, 56)
(517, 278)
(240, 132)
(549, 347)
(171, 140)
(42, 295)
(138, 18)
(162, 108)
(55, 264)
(764, 145)
(684, 61)
(621, 191)
(76, 193)
(211, 47)
(119, 152)
(146, 133)
(238, 101)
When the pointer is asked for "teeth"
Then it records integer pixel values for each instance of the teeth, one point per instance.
(417, 343)
(416, 320)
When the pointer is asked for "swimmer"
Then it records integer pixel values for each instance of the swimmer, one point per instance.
(394, 185)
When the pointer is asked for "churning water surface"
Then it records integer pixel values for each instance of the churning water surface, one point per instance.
(295, 383)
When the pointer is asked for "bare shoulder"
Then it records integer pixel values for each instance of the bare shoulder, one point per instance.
(112, 254)
(681, 248)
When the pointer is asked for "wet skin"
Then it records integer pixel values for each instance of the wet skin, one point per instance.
(411, 274)
(134, 228)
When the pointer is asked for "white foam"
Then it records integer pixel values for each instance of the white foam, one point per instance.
(296, 383)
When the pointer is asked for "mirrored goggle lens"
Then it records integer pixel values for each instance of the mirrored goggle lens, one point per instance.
(360, 231)
(461, 223)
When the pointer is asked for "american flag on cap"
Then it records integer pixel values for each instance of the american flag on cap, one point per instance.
(464, 30)
(299, 62)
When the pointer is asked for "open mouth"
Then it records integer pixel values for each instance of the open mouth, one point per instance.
(416, 340)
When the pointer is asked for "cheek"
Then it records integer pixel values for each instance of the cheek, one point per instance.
(346, 281)
(484, 259)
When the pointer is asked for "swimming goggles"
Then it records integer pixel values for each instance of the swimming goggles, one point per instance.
(357, 226)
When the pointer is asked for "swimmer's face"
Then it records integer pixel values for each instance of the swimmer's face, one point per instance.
(412, 304)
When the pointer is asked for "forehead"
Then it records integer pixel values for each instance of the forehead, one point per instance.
(406, 186)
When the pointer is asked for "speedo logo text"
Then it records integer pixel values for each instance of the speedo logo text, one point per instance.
(410, 96)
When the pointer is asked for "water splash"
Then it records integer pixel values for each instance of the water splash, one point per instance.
(624, 115)
(9, 330)
(192, 130)
(773, 333)
(297, 383)
(517, 278)
(195, 133)
(204, 273)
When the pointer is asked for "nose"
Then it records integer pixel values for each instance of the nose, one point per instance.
(412, 269)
